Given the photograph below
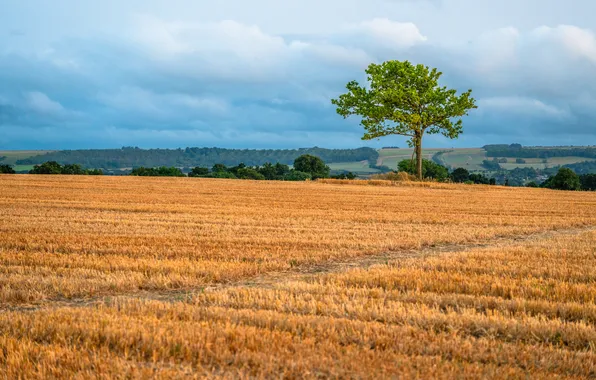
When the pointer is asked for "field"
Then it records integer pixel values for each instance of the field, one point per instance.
(182, 277)
(361, 167)
(391, 157)
(13, 155)
(471, 159)
(538, 163)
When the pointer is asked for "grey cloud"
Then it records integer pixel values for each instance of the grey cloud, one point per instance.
(231, 83)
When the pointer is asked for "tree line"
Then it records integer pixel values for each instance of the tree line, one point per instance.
(52, 167)
(305, 167)
(128, 157)
(517, 150)
(308, 167)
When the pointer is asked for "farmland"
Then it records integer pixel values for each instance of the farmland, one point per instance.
(171, 277)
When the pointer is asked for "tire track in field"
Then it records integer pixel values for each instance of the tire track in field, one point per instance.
(271, 279)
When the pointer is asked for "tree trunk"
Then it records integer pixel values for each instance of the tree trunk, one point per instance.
(418, 144)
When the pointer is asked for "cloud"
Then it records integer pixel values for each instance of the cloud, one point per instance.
(392, 34)
(520, 106)
(40, 102)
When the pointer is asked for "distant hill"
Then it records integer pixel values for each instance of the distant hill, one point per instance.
(129, 157)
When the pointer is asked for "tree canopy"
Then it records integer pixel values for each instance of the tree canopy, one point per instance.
(405, 99)
(312, 165)
(6, 169)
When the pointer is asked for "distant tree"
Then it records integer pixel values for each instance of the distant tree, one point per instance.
(94, 172)
(430, 169)
(296, 175)
(491, 165)
(532, 184)
(161, 171)
(588, 182)
(249, 173)
(217, 168)
(460, 175)
(73, 169)
(220, 174)
(520, 161)
(49, 167)
(6, 169)
(234, 169)
(198, 172)
(312, 165)
(281, 170)
(479, 179)
(565, 179)
(403, 99)
(348, 175)
(492, 181)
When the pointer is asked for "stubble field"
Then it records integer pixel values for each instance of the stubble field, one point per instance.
(169, 277)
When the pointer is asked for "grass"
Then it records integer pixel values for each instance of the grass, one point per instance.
(360, 167)
(181, 277)
(391, 157)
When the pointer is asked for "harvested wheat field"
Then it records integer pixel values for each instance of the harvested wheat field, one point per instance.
(180, 277)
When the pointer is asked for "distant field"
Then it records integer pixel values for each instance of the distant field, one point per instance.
(468, 158)
(538, 164)
(128, 277)
(471, 159)
(360, 167)
(391, 157)
(13, 155)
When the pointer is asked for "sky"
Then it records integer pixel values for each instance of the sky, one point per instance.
(261, 73)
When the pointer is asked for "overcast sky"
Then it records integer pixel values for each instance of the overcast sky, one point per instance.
(261, 73)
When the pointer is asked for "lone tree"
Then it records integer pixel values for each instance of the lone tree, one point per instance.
(403, 99)
(312, 165)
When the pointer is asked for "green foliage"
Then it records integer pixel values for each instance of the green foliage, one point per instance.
(219, 168)
(6, 169)
(199, 172)
(565, 179)
(588, 182)
(403, 99)
(430, 169)
(161, 171)
(468, 182)
(220, 174)
(491, 165)
(50, 167)
(191, 157)
(296, 175)
(516, 150)
(586, 167)
(460, 175)
(273, 172)
(520, 161)
(72, 169)
(312, 165)
(532, 184)
(479, 179)
(348, 175)
(249, 173)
